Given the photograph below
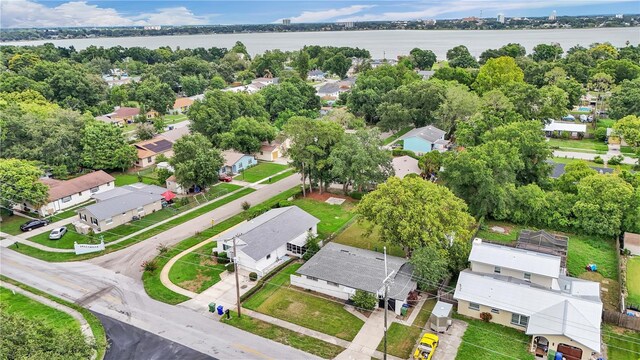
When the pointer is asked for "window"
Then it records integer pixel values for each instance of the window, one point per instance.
(95, 189)
(527, 276)
(66, 199)
(333, 284)
(312, 278)
(250, 161)
(495, 311)
(80, 193)
(240, 166)
(94, 221)
(474, 306)
(149, 160)
(108, 221)
(269, 256)
(140, 209)
(225, 247)
(519, 320)
(497, 270)
(83, 217)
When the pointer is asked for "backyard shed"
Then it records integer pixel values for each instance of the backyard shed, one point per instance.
(440, 318)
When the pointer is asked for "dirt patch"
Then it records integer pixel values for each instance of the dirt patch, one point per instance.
(296, 308)
(315, 195)
(195, 284)
(611, 296)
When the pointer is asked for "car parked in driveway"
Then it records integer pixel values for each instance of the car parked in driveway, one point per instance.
(34, 224)
(57, 233)
(225, 178)
(427, 347)
(569, 118)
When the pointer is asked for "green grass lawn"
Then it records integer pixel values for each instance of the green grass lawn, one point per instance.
(393, 137)
(605, 123)
(128, 179)
(633, 280)
(197, 271)
(11, 224)
(490, 341)
(591, 163)
(152, 283)
(510, 236)
(260, 171)
(306, 310)
(285, 174)
(584, 144)
(400, 340)
(584, 249)
(354, 236)
(172, 119)
(285, 336)
(332, 217)
(622, 344)
(32, 309)
(425, 312)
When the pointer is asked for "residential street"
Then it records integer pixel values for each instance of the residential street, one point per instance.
(590, 156)
(128, 260)
(122, 298)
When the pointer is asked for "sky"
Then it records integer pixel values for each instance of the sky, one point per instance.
(56, 13)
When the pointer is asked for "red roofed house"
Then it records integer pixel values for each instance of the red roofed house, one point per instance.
(124, 115)
(64, 194)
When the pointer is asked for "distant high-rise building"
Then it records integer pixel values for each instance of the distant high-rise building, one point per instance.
(153, 27)
(552, 17)
(619, 16)
(430, 22)
(286, 21)
(346, 24)
(500, 18)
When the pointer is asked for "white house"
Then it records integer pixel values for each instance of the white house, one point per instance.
(329, 90)
(528, 290)
(559, 127)
(68, 193)
(269, 239)
(339, 270)
(270, 152)
(316, 75)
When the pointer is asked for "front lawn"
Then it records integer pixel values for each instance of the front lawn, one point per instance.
(128, 179)
(313, 312)
(633, 280)
(198, 270)
(354, 236)
(285, 174)
(490, 341)
(11, 224)
(400, 340)
(509, 236)
(332, 217)
(425, 312)
(585, 249)
(584, 144)
(279, 334)
(22, 305)
(260, 171)
(621, 344)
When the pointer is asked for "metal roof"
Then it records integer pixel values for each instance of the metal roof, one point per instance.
(518, 259)
(121, 204)
(565, 126)
(429, 133)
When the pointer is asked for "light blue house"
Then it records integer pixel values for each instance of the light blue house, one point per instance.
(234, 162)
(425, 139)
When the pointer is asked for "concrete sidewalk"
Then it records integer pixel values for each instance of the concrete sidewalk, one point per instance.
(365, 344)
(590, 156)
(12, 239)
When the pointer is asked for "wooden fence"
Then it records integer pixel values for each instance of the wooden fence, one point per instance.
(622, 320)
(445, 293)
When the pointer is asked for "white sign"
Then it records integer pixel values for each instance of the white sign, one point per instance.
(88, 248)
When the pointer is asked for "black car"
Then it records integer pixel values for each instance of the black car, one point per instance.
(33, 224)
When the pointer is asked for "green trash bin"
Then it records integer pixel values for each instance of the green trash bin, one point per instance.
(403, 310)
(212, 307)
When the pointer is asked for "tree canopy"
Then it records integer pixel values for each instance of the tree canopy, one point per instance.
(19, 183)
(196, 161)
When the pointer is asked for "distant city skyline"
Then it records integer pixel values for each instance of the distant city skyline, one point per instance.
(57, 13)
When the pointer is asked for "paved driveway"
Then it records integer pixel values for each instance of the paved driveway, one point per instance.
(450, 341)
(222, 293)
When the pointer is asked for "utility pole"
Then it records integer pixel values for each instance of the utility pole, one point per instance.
(235, 270)
(385, 282)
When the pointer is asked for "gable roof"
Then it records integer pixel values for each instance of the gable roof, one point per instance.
(269, 231)
(359, 269)
(126, 111)
(177, 133)
(316, 72)
(231, 157)
(559, 169)
(182, 102)
(550, 312)
(329, 88)
(60, 189)
(518, 259)
(405, 165)
(153, 146)
(429, 133)
(565, 126)
(120, 204)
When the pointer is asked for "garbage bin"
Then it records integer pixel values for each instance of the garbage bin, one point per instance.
(220, 310)
(404, 309)
(212, 307)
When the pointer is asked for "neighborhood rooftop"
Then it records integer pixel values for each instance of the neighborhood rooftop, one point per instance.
(269, 231)
(231, 157)
(429, 133)
(359, 269)
(60, 189)
(121, 204)
(512, 258)
(565, 126)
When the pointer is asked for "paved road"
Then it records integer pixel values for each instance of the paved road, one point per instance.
(590, 156)
(128, 260)
(105, 292)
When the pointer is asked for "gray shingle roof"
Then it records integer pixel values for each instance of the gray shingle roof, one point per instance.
(146, 188)
(120, 204)
(329, 88)
(271, 230)
(429, 133)
(359, 269)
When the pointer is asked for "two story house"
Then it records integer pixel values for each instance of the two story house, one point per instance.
(528, 291)
(425, 139)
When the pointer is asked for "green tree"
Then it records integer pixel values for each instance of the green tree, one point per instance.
(632, 216)
(458, 104)
(629, 128)
(529, 205)
(290, 95)
(408, 213)
(625, 99)
(573, 173)
(620, 70)
(364, 300)
(431, 162)
(217, 82)
(460, 56)
(196, 161)
(19, 183)
(423, 59)
(602, 203)
(247, 134)
(145, 131)
(155, 95)
(601, 82)
(193, 84)
(496, 73)
(415, 103)
(359, 160)
(338, 65)
(430, 265)
(302, 64)
(463, 76)
(573, 89)
(104, 147)
(546, 52)
(554, 102)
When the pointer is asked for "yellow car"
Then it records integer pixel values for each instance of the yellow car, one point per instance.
(427, 347)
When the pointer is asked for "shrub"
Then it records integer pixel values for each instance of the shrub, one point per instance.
(256, 211)
(600, 134)
(245, 205)
(598, 160)
(230, 267)
(150, 266)
(161, 158)
(486, 317)
(284, 203)
(215, 254)
(564, 135)
(401, 152)
(162, 249)
(357, 195)
(615, 160)
(253, 276)
(312, 246)
(364, 300)
(223, 258)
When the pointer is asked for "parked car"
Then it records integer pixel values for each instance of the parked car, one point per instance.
(225, 178)
(583, 118)
(569, 118)
(34, 224)
(57, 233)
(427, 347)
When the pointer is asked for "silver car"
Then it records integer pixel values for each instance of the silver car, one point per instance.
(57, 233)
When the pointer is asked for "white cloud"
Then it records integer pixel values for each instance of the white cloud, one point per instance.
(26, 13)
(324, 15)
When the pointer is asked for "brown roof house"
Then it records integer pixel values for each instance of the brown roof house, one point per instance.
(149, 149)
(124, 115)
(68, 193)
(270, 152)
(181, 105)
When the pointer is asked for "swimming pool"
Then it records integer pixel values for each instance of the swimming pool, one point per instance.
(584, 108)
